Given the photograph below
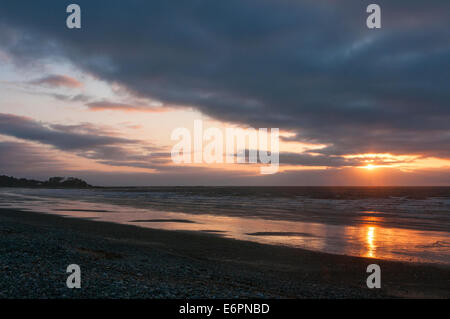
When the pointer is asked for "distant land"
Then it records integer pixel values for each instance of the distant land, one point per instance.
(63, 182)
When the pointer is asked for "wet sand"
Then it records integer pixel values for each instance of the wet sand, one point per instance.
(398, 229)
(123, 261)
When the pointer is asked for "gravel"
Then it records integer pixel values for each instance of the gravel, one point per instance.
(119, 261)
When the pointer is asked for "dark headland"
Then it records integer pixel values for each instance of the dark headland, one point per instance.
(58, 182)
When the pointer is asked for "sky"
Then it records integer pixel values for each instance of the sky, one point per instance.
(354, 106)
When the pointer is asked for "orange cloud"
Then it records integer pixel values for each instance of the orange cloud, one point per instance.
(58, 81)
(113, 106)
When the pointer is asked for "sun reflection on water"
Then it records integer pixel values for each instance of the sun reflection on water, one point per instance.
(370, 234)
(371, 247)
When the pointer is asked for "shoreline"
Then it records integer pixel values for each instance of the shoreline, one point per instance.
(124, 261)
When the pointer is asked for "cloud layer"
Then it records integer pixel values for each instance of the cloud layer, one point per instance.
(58, 81)
(82, 140)
(311, 67)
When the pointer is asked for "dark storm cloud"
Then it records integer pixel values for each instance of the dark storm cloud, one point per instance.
(21, 156)
(126, 107)
(127, 157)
(306, 159)
(321, 158)
(308, 66)
(60, 136)
(85, 140)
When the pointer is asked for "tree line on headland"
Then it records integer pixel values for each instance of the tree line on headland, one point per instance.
(63, 182)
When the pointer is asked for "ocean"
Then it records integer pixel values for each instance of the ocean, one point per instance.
(396, 223)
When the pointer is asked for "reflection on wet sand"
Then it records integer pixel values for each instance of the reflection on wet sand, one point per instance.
(370, 242)
(366, 237)
(281, 234)
(162, 221)
(371, 233)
